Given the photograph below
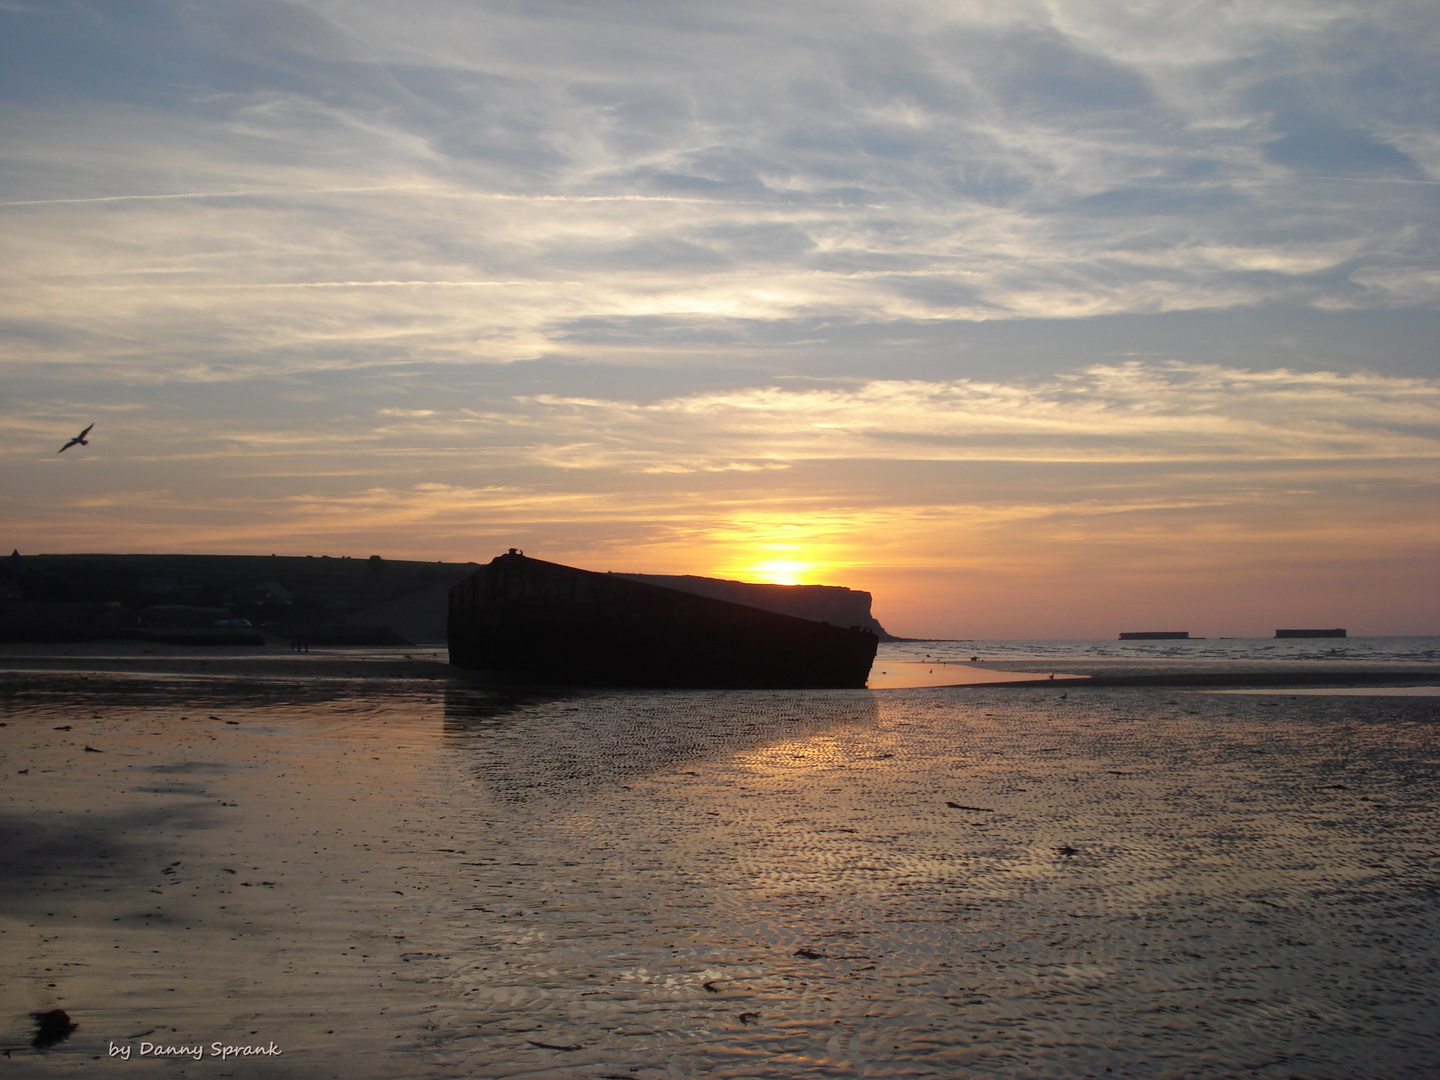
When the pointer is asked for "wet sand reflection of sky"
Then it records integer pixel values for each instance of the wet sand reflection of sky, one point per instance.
(406, 880)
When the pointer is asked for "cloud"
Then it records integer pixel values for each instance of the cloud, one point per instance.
(628, 161)
(1130, 412)
(1129, 434)
(641, 273)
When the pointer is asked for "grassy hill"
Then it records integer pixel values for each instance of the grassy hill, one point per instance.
(313, 596)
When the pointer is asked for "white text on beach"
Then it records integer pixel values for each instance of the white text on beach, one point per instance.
(198, 1051)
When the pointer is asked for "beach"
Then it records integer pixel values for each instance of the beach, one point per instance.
(358, 864)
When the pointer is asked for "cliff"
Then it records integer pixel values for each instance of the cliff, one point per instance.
(335, 601)
(833, 604)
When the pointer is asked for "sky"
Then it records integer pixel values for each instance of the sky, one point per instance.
(1035, 319)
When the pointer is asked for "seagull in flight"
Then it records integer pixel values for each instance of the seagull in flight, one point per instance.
(78, 440)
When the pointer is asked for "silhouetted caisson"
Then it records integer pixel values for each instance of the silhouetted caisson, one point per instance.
(555, 624)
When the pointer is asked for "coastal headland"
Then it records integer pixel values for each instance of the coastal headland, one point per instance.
(239, 599)
(225, 599)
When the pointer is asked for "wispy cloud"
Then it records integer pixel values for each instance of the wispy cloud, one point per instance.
(895, 164)
(654, 278)
(1128, 412)
(1125, 413)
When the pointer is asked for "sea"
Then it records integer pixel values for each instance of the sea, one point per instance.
(1216, 652)
(944, 663)
(355, 876)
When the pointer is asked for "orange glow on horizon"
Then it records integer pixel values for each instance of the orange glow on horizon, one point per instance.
(780, 571)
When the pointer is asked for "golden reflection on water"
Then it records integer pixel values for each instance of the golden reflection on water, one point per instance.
(469, 882)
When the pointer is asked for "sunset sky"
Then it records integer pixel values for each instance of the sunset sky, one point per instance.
(1047, 319)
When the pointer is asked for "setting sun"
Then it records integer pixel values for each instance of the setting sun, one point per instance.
(780, 571)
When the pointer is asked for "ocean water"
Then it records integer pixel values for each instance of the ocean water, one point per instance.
(908, 664)
(1215, 653)
(440, 879)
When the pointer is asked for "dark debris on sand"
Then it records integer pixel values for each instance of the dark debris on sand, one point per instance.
(54, 1026)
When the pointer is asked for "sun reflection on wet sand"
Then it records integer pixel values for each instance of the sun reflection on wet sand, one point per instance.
(890, 674)
(482, 883)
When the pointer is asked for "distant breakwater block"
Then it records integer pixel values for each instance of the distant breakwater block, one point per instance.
(1337, 632)
(557, 624)
(1156, 635)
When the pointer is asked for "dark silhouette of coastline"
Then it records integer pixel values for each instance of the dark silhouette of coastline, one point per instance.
(224, 599)
(834, 604)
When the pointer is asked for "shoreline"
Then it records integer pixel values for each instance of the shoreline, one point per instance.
(1328, 677)
(428, 663)
(440, 878)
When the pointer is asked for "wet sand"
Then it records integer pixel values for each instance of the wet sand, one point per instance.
(889, 674)
(269, 661)
(425, 876)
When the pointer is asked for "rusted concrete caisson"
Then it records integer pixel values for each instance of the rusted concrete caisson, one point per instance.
(556, 624)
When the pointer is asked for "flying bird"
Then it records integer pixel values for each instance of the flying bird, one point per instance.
(78, 440)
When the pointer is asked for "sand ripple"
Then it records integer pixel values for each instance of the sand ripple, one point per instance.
(912, 883)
